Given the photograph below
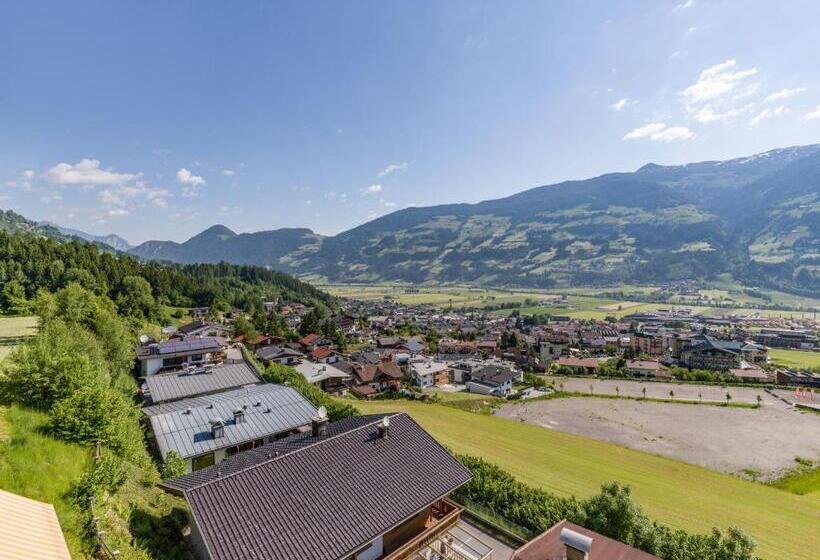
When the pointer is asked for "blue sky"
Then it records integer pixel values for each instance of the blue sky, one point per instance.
(155, 120)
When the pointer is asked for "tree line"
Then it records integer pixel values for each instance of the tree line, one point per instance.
(141, 291)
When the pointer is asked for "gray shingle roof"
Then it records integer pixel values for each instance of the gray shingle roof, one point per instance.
(185, 425)
(320, 498)
(179, 385)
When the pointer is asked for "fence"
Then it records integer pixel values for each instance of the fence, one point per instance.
(101, 548)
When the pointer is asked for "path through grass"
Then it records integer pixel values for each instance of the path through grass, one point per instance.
(681, 495)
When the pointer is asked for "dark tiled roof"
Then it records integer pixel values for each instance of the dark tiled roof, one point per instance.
(165, 387)
(494, 375)
(320, 498)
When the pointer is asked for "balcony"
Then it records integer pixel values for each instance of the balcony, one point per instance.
(438, 536)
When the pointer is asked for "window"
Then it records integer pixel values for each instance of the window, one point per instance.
(202, 461)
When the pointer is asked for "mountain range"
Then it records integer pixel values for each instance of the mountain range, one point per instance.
(112, 240)
(755, 218)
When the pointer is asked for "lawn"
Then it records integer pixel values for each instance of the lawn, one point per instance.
(11, 329)
(806, 482)
(681, 495)
(795, 358)
(39, 467)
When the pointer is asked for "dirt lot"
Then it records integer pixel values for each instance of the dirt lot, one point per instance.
(766, 439)
(661, 390)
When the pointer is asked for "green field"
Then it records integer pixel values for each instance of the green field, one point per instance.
(11, 329)
(681, 495)
(577, 303)
(41, 468)
(795, 358)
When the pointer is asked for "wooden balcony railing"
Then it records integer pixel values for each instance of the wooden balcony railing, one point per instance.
(445, 515)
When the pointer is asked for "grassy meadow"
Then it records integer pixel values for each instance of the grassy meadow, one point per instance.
(681, 495)
(39, 467)
(795, 358)
(12, 329)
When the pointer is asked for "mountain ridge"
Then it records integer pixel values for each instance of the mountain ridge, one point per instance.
(756, 217)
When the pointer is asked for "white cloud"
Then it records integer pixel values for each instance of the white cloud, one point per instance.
(672, 134)
(228, 172)
(392, 168)
(718, 81)
(107, 196)
(659, 132)
(644, 131)
(117, 212)
(620, 104)
(768, 113)
(784, 93)
(708, 114)
(388, 204)
(190, 183)
(813, 114)
(88, 173)
(373, 189)
(28, 174)
(139, 194)
(685, 5)
(185, 177)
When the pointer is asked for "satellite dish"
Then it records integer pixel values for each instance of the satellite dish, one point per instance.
(143, 338)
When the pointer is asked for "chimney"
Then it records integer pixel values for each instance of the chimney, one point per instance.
(578, 546)
(239, 416)
(319, 422)
(217, 428)
(384, 428)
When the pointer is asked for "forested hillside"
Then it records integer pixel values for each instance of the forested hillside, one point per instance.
(30, 262)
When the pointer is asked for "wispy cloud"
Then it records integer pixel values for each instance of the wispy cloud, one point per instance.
(784, 93)
(811, 115)
(659, 132)
(620, 104)
(685, 5)
(393, 168)
(718, 92)
(768, 113)
(228, 172)
(373, 189)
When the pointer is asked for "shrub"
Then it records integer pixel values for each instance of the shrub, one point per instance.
(98, 414)
(173, 466)
(53, 365)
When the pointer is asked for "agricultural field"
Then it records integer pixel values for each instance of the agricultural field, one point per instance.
(13, 330)
(681, 495)
(577, 303)
(795, 358)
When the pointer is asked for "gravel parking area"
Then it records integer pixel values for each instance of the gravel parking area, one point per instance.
(657, 390)
(765, 439)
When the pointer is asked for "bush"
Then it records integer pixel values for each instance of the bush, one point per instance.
(173, 466)
(53, 365)
(106, 475)
(99, 414)
(611, 513)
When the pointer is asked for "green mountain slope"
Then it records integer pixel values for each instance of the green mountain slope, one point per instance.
(755, 217)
